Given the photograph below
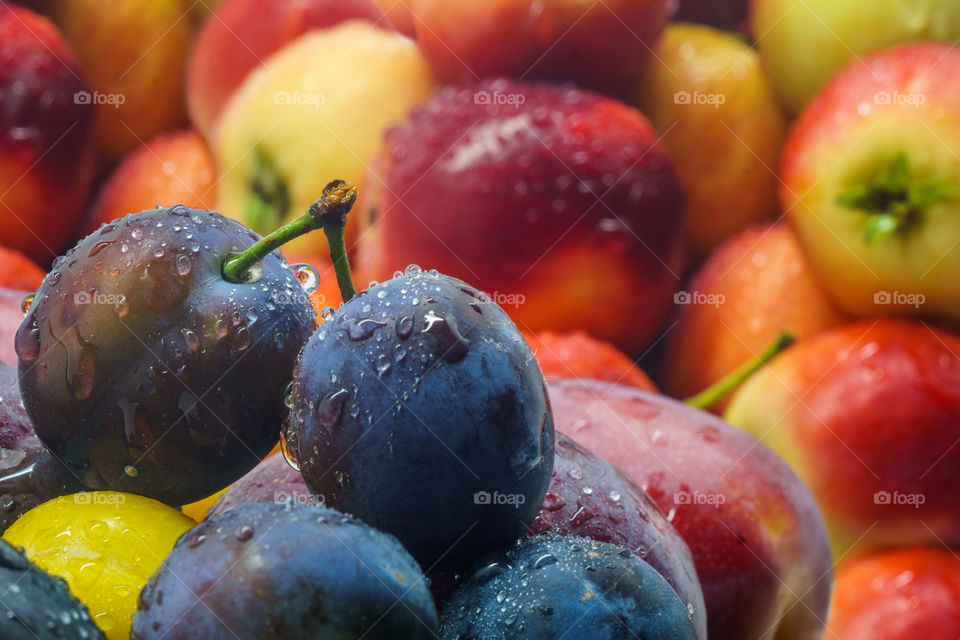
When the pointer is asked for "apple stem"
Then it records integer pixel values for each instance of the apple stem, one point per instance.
(716, 392)
(328, 213)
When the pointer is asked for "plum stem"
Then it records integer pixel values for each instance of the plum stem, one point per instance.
(328, 213)
(726, 385)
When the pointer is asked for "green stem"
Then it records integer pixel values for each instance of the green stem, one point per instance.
(724, 387)
(328, 213)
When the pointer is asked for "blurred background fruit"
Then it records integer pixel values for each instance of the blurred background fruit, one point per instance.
(243, 34)
(400, 16)
(868, 414)
(871, 180)
(577, 355)
(11, 315)
(17, 271)
(838, 34)
(730, 15)
(552, 200)
(753, 286)
(707, 95)
(173, 168)
(104, 544)
(309, 113)
(47, 155)
(134, 53)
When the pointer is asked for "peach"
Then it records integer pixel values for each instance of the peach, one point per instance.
(242, 34)
(579, 355)
(868, 414)
(753, 286)
(757, 539)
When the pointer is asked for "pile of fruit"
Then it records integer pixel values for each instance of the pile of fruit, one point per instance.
(680, 360)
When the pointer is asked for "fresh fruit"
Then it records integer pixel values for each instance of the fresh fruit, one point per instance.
(11, 302)
(871, 180)
(868, 414)
(836, 34)
(577, 355)
(902, 594)
(552, 200)
(707, 94)
(134, 53)
(753, 286)
(590, 498)
(104, 544)
(47, 154)
(758, 542)
(38, 606)
(552, 586)
(173, 168)
(417, 379)
(729, 15)
(597, 45)
(311, 111)
(154, 358)
(273, 480)
(296, 572)
(17, 271)
(197, 511)
(399, 15)
(29, 474)
(243, 34)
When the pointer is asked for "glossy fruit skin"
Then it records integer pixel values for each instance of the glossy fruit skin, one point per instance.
(273, 480)
(176, 388)
(29, 473)
(552, 586)
(34, 603)
(104, 544)
(563, 201)
(47, 152)
(417, 383)
(577, 354)
(297, 572)
(590, 498)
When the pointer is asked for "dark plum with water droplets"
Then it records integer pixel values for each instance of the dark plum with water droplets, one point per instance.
(29, 473)
(296, 572)
(550, 587)
(418, 407)
(38, 606)
(146, 371)
(590, 498)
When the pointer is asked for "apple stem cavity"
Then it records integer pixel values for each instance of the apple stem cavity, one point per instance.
(716, 392)
(328, 213)
(895, 200)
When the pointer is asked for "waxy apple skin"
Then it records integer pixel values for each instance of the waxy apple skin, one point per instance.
(868, 414)
(757, 539)
(902, 101)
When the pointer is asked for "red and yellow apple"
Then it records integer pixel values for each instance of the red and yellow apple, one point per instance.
(577, 354)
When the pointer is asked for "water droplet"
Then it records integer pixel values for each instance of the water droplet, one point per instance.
(244, 533)
(288, 395)
(191, 340)
(330, 408)
(383, 364)
(360, 330)
(307, 276)
(288, 447)
(196, 540)
(489, 572)
(243, 339)
(576, 474)
(27, 344)
(81, 377)
(399, 352)
(404, 327)
(159, 252)
(98, 247)
(27, 303)
(397, 274)
(451, 344)
(587, 490)
(615, 496)
(220, 329)
(412, 270)
(131, 471)
(545, 560)
(326, 313)
(183, 265)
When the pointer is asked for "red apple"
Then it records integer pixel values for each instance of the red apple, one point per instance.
(903, 594)
(868, 414)
(17, 271)
(753, 286)
(557, 202)
(757, 539)
(578, 355)
(597, 44)
(242, 34)
(47, 152)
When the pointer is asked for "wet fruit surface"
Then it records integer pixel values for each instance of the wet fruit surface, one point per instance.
(297, 572)
(418, 407)
(146, 371)
(553, 586)
(105, 544)
(273, 480)
(29, 473)
(37, 606)
(590, 498)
